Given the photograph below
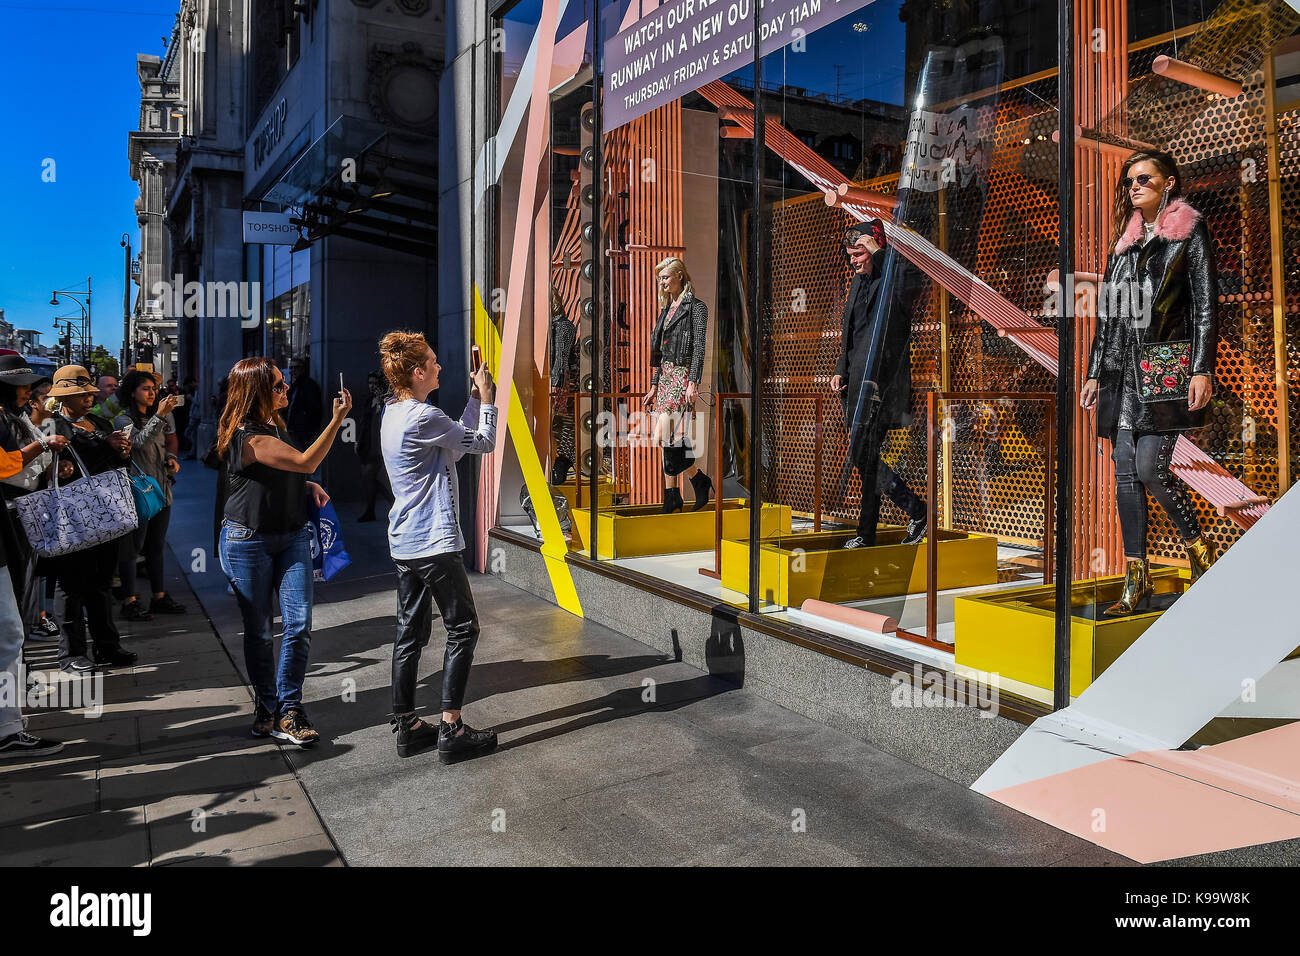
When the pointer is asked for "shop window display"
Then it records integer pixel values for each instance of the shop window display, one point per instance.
(903, 240)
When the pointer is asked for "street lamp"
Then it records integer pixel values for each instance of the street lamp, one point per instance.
(126, 302)
(76, 296)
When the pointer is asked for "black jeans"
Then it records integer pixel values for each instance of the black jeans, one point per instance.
(85, 577)
(149, 540)
(877, 478)
(420, 582)
(1142, 465)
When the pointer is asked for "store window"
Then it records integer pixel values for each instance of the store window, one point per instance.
(287, 290)
(851, 364)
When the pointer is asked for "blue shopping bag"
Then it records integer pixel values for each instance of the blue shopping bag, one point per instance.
(328, 557)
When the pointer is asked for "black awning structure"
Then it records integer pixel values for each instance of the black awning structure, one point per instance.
(351, 183)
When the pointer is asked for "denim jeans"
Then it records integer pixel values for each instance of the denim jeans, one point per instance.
(257, 565)
(12, 633)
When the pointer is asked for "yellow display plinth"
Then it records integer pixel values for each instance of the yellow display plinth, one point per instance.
(815, 565)
(604, 493)
(636, 531)
(1013, 632)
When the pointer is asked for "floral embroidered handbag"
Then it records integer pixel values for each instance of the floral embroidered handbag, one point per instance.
(80, 514)
(1163, 370)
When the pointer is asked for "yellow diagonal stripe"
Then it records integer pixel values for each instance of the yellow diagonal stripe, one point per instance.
(554, 546)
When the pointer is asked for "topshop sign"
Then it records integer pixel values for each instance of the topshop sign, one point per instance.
(683, 44)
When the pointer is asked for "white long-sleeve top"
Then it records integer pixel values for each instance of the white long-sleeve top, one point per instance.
(421, 445)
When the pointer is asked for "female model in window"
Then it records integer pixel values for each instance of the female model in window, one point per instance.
(1159, 290)
(677, 347)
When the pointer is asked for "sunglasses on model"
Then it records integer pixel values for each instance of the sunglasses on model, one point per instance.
(280, 386)
(1142, 180)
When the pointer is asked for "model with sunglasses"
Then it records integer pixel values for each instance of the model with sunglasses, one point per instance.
(265, 542)
(1162, 254)
(421, 445)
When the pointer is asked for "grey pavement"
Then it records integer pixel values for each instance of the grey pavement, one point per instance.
(611, 753)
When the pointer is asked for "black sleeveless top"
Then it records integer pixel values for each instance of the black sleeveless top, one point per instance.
(268, 500)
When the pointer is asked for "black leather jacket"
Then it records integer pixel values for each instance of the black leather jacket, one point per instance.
(681, 339)
(1173, 272)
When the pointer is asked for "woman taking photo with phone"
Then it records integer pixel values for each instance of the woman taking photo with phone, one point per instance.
(421, 446)
(145, 419)
(265, 543)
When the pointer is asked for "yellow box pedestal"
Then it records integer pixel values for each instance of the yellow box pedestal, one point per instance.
(635, 531)
(1013, 632)
(569, 491)
(815, 565)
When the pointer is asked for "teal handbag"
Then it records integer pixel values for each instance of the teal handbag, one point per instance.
(147, 493)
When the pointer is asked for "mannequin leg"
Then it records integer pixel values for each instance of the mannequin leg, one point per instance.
(1153, 455)
(1130, 496)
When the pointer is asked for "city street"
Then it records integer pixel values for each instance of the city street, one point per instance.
(589, 771)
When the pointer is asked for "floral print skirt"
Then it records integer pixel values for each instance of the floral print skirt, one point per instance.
(670, 396)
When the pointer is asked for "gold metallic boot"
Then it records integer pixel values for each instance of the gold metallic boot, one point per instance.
(1137, 588)
(1200, 555)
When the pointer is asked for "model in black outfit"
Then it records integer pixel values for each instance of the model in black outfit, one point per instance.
(875, 295)
(1161, 244)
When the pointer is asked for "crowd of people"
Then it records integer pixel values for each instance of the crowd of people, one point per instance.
(62, 429)
(268, 448)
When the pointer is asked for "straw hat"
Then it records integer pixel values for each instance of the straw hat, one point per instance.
(72, 380)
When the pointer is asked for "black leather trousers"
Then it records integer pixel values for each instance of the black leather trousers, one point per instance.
(1142, 465)
(421, 582)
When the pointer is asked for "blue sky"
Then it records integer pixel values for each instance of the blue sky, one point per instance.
(68, 71)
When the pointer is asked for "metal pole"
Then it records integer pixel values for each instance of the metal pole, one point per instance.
(126, 305)
(597, 274)
(755, 350)
(1065, 351)
(1280, 389)
(85, 337)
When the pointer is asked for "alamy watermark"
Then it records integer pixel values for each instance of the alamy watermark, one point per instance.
(52, 690)
(945, 689)
(220, 300)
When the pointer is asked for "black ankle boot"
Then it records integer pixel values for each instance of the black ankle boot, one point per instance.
(413, 734)
(560, 470)
(672, 500)
(454, 745)
(702, 484)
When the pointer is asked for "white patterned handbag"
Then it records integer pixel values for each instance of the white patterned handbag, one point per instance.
(79, 515)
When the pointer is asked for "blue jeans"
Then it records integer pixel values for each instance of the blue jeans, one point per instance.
(257, 565)
(12, 686)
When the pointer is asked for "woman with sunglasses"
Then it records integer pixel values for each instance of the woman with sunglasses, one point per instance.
(265, 543)
(1159, 290)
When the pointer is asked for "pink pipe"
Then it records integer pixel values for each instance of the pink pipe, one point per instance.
(1181, 72)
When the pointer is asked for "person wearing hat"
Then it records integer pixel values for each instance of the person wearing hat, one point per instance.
(20, 447)
(874, 377)
(86, 576)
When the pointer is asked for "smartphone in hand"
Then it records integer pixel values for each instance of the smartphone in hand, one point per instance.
(476, 359)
